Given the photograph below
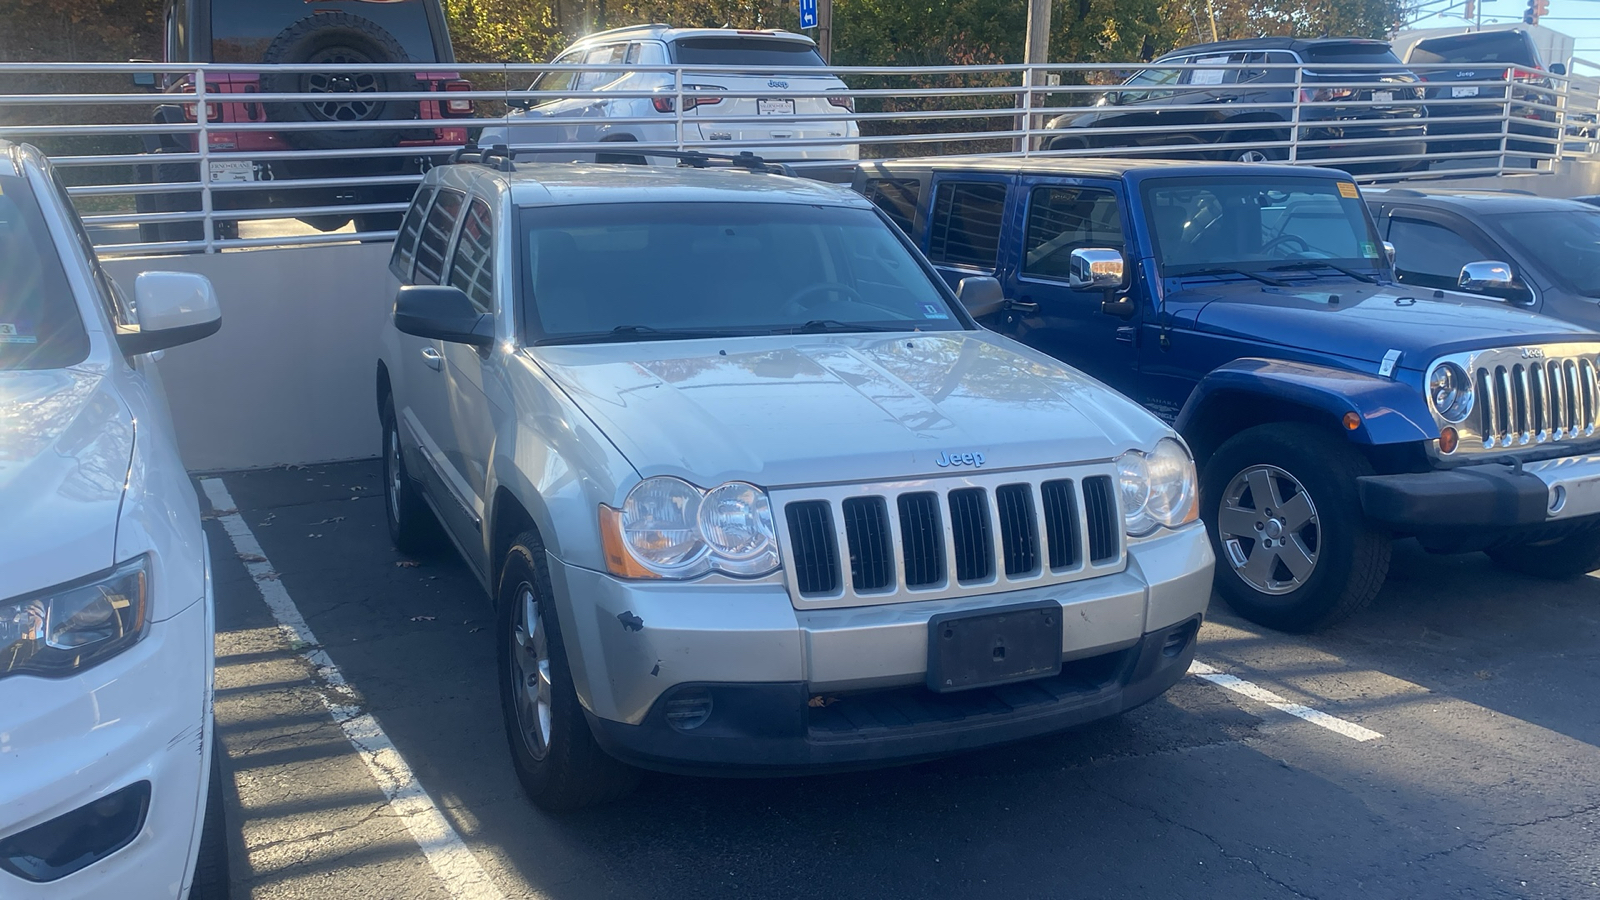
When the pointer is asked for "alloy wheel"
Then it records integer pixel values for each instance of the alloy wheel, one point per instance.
(1269, 530)
(345, 102)
(530, 672)
(1252, 156)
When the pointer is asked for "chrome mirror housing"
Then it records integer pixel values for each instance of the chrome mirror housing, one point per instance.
(1095, 268)
(1486, 275)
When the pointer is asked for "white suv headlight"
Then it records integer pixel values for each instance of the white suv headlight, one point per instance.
(1157, 488)
(66, 629)
(668, 528)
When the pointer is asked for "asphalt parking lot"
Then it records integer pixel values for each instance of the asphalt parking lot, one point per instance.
(384, 773)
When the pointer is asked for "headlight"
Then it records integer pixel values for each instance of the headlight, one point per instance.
(1157, 488)
(668, 528)
(1450, 391)
(67, 629)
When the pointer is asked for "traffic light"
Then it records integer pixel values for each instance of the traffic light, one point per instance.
(1536, 8)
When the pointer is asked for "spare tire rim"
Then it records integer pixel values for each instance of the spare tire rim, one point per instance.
(530, 672)
(1269, 530)
(347, 104)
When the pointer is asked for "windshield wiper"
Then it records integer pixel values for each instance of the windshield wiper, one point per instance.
(1308, 264)
(1225, 270)
(637, 333)
(834, 326)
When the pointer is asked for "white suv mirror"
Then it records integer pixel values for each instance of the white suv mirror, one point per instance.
(173, 308)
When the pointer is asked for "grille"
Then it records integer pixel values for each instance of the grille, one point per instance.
(910, 542)
(816, 550)
(1536, 401)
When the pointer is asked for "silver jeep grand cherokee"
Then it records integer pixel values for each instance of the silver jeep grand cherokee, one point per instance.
(750, 489)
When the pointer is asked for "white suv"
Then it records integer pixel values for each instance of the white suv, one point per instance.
(782, 123)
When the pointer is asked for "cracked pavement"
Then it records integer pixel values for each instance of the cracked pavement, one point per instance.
(1486, 783)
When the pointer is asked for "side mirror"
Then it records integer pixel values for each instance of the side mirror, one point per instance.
(443, 313)
(173, 308)
(1486, 275)
(981, 295)
(1095, 268)
(1388, 252)
(1556, 68)
(143, 79)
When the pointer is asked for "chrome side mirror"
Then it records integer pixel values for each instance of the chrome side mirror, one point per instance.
(1486, 275)
(1388, 252)
(981, 295)
(1095, 268)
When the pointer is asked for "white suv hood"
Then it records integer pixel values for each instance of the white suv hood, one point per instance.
(66, 441)
(794, 410)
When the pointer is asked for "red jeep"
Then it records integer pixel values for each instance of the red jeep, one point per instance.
(278, 32)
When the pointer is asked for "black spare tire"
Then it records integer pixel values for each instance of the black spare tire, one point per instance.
(338, 39)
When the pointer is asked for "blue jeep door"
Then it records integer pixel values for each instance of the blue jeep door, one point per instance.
(1054, 217)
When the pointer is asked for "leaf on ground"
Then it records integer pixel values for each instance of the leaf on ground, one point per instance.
(330, 521)
(267, 576)
(252, 557)
(407, 563)
(423, 618)
(819, 701)
(219, 513)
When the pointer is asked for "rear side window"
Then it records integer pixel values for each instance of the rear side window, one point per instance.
(965, 227)
(436, 231)
(39, 323)
(897, 197)
(405, 243)
(1061, 220)
(472, 265)
(242, 32)
(745, 51)
(1350, 53)
(1483, 47)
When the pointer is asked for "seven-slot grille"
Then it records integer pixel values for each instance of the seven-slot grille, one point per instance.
(1536, 400)
(926, 539)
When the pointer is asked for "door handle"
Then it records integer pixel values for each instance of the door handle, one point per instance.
(1125, 333)
(432, 358)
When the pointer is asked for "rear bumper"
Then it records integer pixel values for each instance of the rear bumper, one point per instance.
(764, 729)
(1496, 501)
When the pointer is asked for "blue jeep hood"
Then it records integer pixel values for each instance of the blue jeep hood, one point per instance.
(1367, 322)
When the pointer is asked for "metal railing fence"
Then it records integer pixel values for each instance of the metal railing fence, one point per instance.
(208, 159)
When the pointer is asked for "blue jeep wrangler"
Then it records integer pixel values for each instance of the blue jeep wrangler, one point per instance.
(1255, 307)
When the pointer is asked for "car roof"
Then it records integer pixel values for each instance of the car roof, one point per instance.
(1269, 43)
(668, 33)
(1478, 202)
(1098, 167)
(570, 184)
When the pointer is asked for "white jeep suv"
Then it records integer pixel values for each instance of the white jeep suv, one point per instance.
(794, 110)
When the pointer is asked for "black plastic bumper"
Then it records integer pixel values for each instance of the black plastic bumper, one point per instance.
(777, 728)
(1485, 496)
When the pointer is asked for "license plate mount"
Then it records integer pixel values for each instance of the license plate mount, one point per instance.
(1383, 96)
(989, 647)
(774, 107)
(1470, 90)
(231, 171)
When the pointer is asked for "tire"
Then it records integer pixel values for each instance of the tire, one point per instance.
(338, 38)
(621, 159)
(327, 223)
(1568, 557)
(170, 201)
(1349, 558)
(210, 880)
(555, 755)
(1067, 143)
(412, 527)
(1244, 155)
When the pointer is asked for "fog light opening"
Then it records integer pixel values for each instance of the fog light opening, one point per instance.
(689, 709)
(1558, 498)
(1178, 641)
(78, 839)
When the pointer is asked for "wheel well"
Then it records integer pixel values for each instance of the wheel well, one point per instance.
(384, 390)
(618, 138)
(510, 519)
(1226, 413)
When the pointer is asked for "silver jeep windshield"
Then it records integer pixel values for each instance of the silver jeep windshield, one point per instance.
(654, 271)
(1259, 225)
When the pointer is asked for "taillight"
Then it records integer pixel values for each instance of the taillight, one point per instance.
(1520, 75)
(461, 107)
(666, 104)
(1325, 95)
(842, 101)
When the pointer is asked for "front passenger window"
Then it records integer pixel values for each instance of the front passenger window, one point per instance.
(1429, 255)
(472, 265)
(1061, 220)
(436, 232)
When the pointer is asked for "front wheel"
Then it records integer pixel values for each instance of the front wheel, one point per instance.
(555, 755)
(211, 880)
(1568, 557)
(1294, 551)
(412, 527)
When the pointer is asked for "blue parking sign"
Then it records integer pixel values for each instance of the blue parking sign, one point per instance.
(808, 13)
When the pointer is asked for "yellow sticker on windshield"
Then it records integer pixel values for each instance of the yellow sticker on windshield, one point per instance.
(1348, 191)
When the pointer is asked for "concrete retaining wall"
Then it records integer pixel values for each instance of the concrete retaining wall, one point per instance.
(289, 378)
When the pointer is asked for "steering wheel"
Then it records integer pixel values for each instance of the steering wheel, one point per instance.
(822, 287)
(1282, 239)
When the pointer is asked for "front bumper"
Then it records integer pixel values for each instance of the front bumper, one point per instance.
(633, 644)
(143, 716)
(1494, 500)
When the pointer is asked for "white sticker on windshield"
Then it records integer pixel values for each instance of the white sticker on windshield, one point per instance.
(932, 311)
(1390, 360)
(9, 335)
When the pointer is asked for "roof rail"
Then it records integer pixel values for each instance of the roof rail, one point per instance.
(503, 159)
(497, 157)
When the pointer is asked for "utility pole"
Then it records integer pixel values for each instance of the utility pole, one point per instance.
(1211, 10)
(1037, 48)
(825, 30)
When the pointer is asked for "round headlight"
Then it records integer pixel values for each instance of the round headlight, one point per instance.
(736, 520)
(1450, 391)
(1172, 484)
(659, 522)
(1133, 481)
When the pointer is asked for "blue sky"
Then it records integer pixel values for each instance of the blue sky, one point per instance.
(1579, 18)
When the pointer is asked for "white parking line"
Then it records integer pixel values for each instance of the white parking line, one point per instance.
(1256, 692)
(449, 856)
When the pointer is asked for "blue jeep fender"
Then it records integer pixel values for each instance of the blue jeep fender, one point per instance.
(1255, 391)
